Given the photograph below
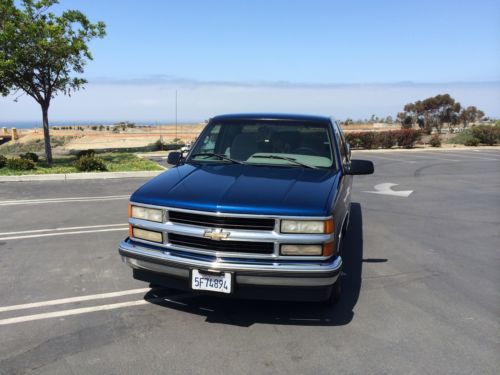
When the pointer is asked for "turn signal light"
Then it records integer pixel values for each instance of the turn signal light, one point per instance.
(329, 227)
(328, 249)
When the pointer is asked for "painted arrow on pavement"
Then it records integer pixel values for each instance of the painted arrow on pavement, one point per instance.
(386, 189)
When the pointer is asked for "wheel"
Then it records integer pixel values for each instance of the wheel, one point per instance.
(334, 294)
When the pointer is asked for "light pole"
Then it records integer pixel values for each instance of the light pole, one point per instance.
(175, 114)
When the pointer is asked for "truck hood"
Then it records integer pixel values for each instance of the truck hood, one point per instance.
(244, 189)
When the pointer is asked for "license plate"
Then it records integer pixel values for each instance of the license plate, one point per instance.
(212, 282)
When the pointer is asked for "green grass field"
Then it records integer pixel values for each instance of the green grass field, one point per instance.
(115, 162)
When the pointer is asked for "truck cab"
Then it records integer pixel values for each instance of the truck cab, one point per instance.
(257, 209)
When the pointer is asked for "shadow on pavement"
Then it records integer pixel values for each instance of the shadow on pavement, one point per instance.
(244, 313)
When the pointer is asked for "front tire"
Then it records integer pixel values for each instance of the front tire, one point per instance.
(335, 294)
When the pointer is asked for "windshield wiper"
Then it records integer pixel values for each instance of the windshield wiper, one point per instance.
(220, 156)
(284, 158)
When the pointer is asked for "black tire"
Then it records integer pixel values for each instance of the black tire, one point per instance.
(334, 294)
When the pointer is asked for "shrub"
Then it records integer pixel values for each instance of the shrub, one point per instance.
(435, 141)
(407, 137)
(83, 153)
(352, 139)
(367, 140)
(403, 138)
(386, 139)
(3, 161)
(160, 145)
(488, 135)
(20, 164)
(30, 156)
(471, 141)
(90, 163)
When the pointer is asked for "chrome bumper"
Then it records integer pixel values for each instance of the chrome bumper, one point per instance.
(247, 272)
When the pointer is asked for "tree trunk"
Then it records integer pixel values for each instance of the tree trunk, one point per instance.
(46, 135)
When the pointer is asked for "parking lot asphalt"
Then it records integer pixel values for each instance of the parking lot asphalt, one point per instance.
(421, 284)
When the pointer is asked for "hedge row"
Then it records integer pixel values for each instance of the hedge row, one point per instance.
(489, 135)
(20, 164)
(86, 161)
(24, 162)
(405, 138)
(89, 162)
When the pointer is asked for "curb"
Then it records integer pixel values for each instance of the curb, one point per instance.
(423, 149)
(79, 176)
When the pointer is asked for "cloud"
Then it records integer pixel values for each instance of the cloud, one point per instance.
(152, 99)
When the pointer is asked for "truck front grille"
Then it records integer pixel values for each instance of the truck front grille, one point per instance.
(222, 246)
(226, 222)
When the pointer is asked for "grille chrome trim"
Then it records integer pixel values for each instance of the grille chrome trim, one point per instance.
(225, 222)
(221, 246)
(291, 217)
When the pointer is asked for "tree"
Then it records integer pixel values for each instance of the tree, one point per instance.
(42, 54)
(405, 120)
(433, 112)
(470, 114)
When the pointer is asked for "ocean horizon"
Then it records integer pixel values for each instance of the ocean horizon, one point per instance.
(38, 124)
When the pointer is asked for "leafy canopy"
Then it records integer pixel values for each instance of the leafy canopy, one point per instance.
(42, 54)
(437, 111)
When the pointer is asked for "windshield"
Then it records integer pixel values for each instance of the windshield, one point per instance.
(291, 144)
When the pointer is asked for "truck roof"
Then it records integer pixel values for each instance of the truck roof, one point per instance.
(271, 116)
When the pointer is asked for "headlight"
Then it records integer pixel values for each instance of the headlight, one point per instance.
(147, 235)
(301, 250)
(144, 213)
(325, 250)
(307, 226)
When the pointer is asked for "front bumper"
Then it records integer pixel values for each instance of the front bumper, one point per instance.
(255, 279)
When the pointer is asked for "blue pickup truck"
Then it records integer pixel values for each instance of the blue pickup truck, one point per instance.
(256, 209)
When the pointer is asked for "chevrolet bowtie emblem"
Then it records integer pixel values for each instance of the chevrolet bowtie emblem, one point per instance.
(216, 234)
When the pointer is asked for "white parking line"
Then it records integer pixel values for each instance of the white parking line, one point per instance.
(497, 156)
(62, 200)
(84, 310)
(398, 160)
(61, 301)
(62, 233)
(468, 156)
(62, 229)
(493, 153)
(432, 157)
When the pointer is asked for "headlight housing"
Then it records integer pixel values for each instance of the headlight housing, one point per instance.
(311, 250)
(145, 213)
(147, 235)
(325, 249)
(307, 226)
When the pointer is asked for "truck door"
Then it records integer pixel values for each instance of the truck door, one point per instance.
(344, 198)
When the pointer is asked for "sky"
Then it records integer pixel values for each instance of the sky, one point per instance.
(342, 58)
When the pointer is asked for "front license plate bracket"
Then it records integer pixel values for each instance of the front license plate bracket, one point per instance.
(212, 281)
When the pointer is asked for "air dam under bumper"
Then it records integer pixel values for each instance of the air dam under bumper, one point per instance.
(310, 281)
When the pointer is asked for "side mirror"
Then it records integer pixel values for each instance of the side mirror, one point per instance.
(361, 167)
(348, 150)
(174, 157)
